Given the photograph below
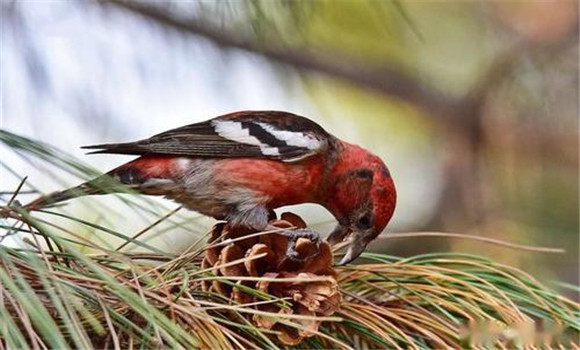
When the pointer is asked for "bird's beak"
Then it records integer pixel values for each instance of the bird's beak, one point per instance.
(356, 246)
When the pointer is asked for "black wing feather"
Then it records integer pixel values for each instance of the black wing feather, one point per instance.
(202, 140)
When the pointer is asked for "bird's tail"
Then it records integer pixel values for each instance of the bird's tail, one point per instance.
(96, 186)
(146, 175)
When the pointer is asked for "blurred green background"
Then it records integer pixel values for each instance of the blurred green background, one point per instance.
(473, 105)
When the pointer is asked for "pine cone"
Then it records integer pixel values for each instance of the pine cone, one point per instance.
(313, 291)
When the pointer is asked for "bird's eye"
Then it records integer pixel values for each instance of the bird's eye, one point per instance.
(365, 222)
(365, 173)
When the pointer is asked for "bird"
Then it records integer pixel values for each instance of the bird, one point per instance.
(240, 166)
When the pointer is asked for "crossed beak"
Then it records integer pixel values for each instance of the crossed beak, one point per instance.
(356, 242)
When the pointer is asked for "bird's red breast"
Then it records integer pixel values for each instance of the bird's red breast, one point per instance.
(281, 183)
(275, 182)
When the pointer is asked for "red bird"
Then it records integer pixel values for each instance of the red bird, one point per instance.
(240, 166)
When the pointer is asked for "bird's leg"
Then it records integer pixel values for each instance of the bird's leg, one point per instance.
(272, 215)
(257, 218)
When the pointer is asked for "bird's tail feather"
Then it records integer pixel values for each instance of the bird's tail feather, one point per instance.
(61, 196)
(146, 175)
(101, 185)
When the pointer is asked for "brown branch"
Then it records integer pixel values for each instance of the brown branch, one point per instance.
(488, 240)
(483, 239)
(389, 80)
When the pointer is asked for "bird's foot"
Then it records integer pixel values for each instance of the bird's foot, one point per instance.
(294, 235)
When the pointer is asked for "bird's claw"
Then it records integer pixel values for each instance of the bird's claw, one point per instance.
(294, 235)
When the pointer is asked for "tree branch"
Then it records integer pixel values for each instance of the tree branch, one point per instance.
(388, 80)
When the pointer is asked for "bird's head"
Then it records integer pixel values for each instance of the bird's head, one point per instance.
(362, 197)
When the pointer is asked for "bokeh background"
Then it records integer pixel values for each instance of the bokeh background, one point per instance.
(473, 105)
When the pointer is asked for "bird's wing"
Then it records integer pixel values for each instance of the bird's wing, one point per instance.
(251, 134)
